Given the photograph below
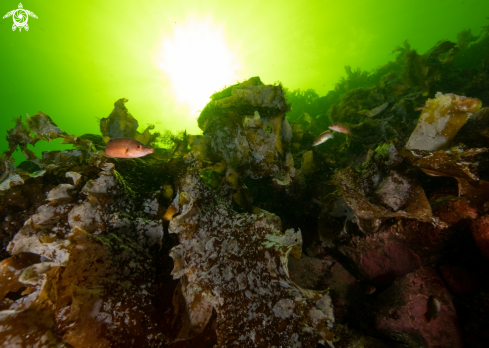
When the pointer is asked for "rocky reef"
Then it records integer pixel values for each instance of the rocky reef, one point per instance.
(248, 236)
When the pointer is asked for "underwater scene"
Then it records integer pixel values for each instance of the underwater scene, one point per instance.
(244, 174)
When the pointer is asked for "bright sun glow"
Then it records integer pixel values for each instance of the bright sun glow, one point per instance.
(198, 62)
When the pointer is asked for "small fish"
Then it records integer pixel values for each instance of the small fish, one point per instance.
(127, 148)
(374, 111)
(338, 127)
(322, 138)
(433, 307)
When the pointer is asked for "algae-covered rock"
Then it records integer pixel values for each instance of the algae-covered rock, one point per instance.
(440, 121)
(89, 283)
(236, 264)
(246, 128)
(380, 190)
(416, 206)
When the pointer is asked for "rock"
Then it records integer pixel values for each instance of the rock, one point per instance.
(308, 272)
(349, 338)
(236, 264)
(74, 176)
(13, 179)
(347, 294)
(404, 246)
(379, 259)
(480, 232)
(454, 211)
(458, 279)
(245, 126)
(61, 194)
(75, 256)
(394, 191)
(401, 309)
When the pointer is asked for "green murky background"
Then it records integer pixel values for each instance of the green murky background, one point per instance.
(78, 58)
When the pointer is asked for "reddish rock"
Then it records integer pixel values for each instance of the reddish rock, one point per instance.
(401, 309)
(402, 247)
(394, 261)
(459, 280)
(345, 292)
(455, 211)
(429, 242)
(480, 232)
(380, 258)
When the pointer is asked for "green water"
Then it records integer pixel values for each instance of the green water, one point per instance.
(78, 58)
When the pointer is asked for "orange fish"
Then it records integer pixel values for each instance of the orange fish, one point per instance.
(338, 127)
(127, 148)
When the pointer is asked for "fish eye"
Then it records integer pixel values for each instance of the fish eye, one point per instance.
(138, 147)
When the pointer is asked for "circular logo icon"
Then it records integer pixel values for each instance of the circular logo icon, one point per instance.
(20, 17)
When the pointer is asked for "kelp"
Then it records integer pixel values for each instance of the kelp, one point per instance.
(459, 163)
(475, 132)
(456, 162)
(39, 127)
(121, 124)
(440, 121)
